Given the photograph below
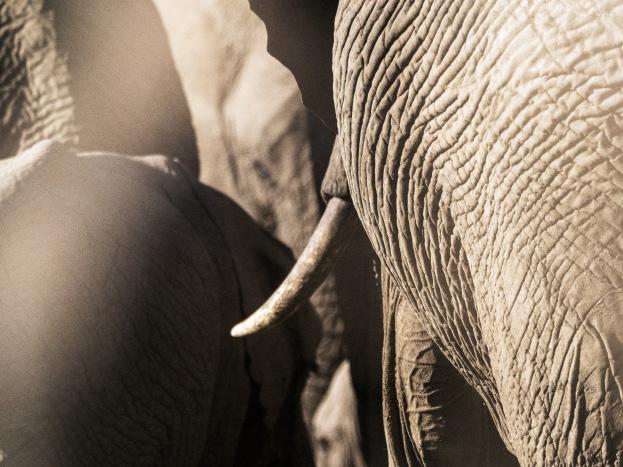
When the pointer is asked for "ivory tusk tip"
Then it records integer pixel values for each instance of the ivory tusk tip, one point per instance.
(258, 321)
(240, 330)
(325, 244)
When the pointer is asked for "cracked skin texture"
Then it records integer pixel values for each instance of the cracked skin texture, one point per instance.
(483, 148)
(433, 417)
(119, 281)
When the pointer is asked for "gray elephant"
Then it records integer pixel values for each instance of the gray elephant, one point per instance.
(121, 277)
(265, 150)
(101, 75)
(480, 146)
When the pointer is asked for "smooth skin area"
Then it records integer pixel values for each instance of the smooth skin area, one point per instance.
(126, 92)
(482, 146)
(120, 279)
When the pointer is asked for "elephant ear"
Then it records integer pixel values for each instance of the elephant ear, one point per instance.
(300, 35)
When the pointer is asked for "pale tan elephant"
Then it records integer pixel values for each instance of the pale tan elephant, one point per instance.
(262, 147)
(481, 147)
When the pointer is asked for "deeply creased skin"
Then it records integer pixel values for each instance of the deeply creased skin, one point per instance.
(433, 417)
(483, 147)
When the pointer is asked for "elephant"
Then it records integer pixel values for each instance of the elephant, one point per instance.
(121, 276)
(111, 66)
(266, 151)
(480, 146)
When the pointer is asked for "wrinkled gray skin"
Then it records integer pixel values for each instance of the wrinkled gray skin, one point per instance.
(34, 97)
(121, 277)
(482, 147)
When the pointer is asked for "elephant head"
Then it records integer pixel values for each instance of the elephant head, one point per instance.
(475, 158)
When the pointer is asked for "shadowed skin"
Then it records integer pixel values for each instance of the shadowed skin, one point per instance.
(113, 101)
(120, 279)
(482, 145)
(126, 92)
(309, 55)
(270, 144)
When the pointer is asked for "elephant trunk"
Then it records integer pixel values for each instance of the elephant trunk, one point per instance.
(324, 246)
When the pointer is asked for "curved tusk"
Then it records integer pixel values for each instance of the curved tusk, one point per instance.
(325, 245)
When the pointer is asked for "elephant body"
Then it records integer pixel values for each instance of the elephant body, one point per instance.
(101, 76)
(262, 147)
(120, 279)
(433, 416)
(482, 144)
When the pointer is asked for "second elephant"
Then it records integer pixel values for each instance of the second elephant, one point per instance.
(120, 279)
(481, 145)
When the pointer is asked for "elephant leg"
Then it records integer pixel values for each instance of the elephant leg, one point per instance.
(437, 418)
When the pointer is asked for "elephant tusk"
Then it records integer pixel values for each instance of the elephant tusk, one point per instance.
(324, 247)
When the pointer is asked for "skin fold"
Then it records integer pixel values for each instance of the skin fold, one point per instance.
(433, 416)
(116, 310)
(35, 98)
(482, 147)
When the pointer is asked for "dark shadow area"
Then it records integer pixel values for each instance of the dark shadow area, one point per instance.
(127, 91)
